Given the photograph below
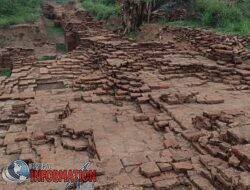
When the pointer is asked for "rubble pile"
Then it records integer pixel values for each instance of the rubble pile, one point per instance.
(214, 46)
(16, 57)
(5, 60)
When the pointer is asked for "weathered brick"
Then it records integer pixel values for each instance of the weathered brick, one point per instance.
(150, 169)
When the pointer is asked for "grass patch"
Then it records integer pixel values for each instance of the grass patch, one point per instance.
(19, 11)
(46, 58)
(189, 23)
(248, 46)
(101, 9)
(61, 48)
(54, 31)
(5, 73)
(62, 2)
(3, 43)
(132, 35)
(244, 6)
(219, 16)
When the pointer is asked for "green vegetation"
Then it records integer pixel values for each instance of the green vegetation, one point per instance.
(132, 35)
(54, 31)
(220, 16)
(5, 73)
(62, 2)
(101, 9)
(61, 48)
(19, 11)
(2, 43)
(244, 6)
(248, 46)
(46, 58)
(55, 35)
(189, 23)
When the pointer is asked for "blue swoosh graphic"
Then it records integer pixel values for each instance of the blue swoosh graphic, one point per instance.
(78, 183)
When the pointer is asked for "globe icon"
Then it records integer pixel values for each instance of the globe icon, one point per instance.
(17, 172)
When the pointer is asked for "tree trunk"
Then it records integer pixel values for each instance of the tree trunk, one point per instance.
(134, 13)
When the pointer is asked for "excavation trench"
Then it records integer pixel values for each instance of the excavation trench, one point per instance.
(46, 38)
(51, 17)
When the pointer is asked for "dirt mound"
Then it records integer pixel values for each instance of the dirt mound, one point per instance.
(225, 49)
(29, 36)
(149, 32)
(154, 33)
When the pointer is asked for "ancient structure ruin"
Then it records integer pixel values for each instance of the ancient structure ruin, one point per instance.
(145, 115)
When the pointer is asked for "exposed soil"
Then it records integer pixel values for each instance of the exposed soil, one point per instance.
(30, 36)
(147, 115)
(153, 33)
(34, 36)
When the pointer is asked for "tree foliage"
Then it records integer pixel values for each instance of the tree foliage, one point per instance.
(18, 11)
(12, 7)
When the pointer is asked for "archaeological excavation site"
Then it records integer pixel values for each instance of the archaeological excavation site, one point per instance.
(140, 104)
